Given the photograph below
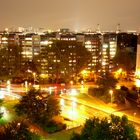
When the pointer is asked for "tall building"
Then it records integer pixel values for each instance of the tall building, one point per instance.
(9, 53)
(109, 47)
(47, 51)
(138, 58)
(93, 44)
(103, 49)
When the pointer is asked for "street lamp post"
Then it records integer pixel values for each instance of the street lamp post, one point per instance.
(138, 84)
(73, 111)
(26, 85)
(134, 114)
(138, 90)
(8, 85)
(34, 74)
(111, 93)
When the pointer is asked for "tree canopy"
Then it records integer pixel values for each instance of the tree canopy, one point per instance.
(65, 52)
(1, 113)
(38, 106)
(106, 80)
(17, 130)
(125, 59)
(115, 128)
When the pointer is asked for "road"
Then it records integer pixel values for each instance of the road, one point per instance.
(79, 109)
(78, 112)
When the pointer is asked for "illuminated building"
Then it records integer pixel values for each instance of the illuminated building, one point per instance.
(109, 47)
(9, 46)
(36, 47)
(51, 59)
(27, 46)
(46, 56)
(93, 44)
(103, 49)
(138, 58)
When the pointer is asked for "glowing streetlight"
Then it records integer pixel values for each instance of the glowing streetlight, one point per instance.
(134, 114)
(73, 111)
(71, 82)
(8, 85)
(82, 83)
(1, 94)
(62, 102)
(26, 85)
(73, 92)
(34, 74)
(138, 84)
(111, 93)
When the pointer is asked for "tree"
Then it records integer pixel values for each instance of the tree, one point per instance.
(4, 62)
(17, 130)
(1, 113)
(60, 53)
(118, 128)
(38, 106)
(125, 59)
(106, 81)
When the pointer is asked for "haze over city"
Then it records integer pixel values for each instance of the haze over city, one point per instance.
(76, 15)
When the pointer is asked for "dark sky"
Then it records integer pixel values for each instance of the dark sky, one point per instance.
(73, 14)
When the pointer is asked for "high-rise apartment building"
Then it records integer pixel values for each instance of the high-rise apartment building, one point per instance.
(138, 58)
(93, 43)
(46, 49)
(108, 52)
(9, 53)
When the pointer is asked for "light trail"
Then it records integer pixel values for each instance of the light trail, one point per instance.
(4, 91)
(92, 110)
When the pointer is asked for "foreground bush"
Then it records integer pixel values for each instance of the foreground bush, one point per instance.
(115, 128)
(52, 127)
(17, 130)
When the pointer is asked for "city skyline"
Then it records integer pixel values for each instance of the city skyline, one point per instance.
(76, 15)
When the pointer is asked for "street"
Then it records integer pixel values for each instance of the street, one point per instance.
(79, 108)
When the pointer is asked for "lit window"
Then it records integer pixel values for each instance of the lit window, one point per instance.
(105, 46)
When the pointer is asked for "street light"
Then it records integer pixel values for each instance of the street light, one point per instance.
(138, 90)
(71, 83)
(26, 85)
(73, 112)
(111, 93)
(138, 84)
(34, 74)
(8, 85)
(134, 114)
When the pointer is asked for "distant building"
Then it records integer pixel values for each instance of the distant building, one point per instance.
(127, 41)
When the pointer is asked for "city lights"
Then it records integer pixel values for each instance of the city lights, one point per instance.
(111, 94)
(70, 68)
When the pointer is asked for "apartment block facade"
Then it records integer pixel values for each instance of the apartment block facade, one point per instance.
(18, 48)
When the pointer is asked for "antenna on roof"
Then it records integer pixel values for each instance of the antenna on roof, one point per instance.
(118, 28)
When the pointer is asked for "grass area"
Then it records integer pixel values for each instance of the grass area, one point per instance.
(63, 135)
(7, 109)
(10, 103)
(87, 98)
(3, 121)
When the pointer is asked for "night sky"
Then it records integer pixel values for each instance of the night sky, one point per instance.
(73, 14)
